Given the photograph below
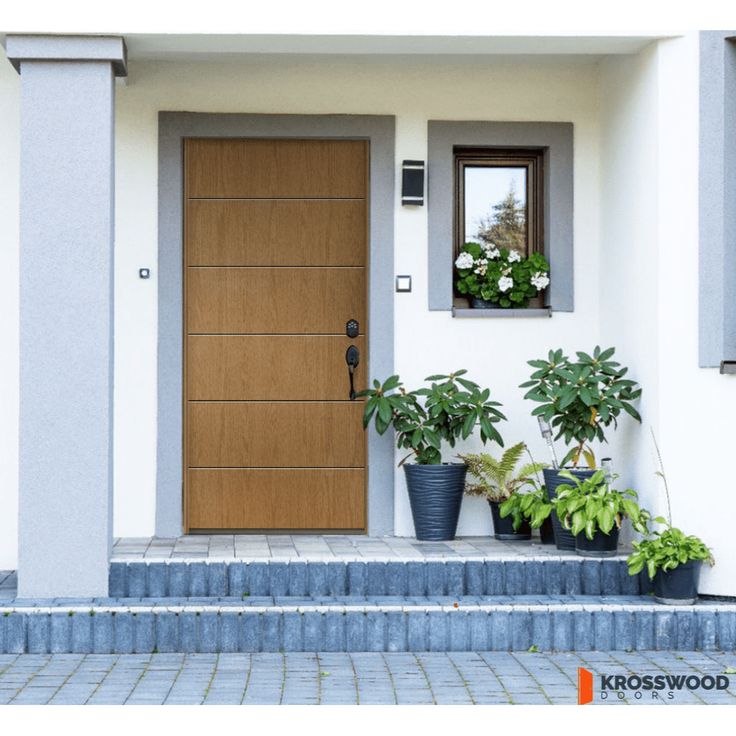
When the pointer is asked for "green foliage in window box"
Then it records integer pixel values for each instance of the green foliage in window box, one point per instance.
(587, 505)
(581, 398)
(500, 275)
(666, 550)
(447, 410)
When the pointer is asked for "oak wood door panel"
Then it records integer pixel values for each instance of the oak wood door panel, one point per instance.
(276, 434)
(274, 300)
(275, 236)
(286, 499)
(276, 232)
(275, 168)
(276, 368)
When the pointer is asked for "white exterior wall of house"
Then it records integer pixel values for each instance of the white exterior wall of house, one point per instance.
(635, 174)
(649, 251)
(494, 350)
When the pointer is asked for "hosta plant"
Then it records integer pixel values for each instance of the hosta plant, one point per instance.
(447, 410)
(500, 275)
(666, 550)
(499, 479)
(581, 398)
(588, 505)
(532, 505)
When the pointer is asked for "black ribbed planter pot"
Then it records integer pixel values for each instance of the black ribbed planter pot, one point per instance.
(602, 545)
(678, 586)
(552, 479)
(503, 529)
(435, 495)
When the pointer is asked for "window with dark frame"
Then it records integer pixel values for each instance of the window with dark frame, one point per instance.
(499, 201)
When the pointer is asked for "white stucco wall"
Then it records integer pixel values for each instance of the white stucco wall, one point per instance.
(493, 350)
(649, 247)
(636, 202)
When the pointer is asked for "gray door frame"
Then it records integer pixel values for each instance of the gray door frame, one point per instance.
(174, 127)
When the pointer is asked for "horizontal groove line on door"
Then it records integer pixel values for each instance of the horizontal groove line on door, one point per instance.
(333, 268)
(273, 401)
(276, 467)
(273, 334)
(277, 199)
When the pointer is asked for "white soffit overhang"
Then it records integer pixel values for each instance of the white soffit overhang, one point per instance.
(213, 47)
(194, 47)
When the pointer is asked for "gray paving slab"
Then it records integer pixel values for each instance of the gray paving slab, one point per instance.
(357, 678)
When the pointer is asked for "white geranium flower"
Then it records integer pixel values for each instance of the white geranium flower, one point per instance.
(464, 260)
(540, 280)
(514, 257)
(505, 283)
(481, 269)
(492, 253)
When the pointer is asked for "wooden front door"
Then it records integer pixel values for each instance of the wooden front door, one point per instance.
(275, 263)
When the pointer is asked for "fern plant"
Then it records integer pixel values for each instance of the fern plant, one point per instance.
(499, 479)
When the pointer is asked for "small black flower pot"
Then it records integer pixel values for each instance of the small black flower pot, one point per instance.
(503, 529)
(602, 545)
(478, 303)
(547, 532)
(552, 479)
(435, 495)
(678, 586)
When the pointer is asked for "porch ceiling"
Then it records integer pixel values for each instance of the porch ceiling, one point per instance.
(184, 47)
(193, 47)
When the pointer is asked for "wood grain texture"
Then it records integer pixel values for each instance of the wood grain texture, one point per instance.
(275, 435)
(277, 499)
(241, 167)
(274, 300)
(267, 232)
(260, 367)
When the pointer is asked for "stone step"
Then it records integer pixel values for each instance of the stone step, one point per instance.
(329, 625)
(543, 575)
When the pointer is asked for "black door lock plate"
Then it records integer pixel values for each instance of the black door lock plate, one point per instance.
(352, 328)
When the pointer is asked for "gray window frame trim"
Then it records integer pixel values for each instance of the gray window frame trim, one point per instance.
(558, 141)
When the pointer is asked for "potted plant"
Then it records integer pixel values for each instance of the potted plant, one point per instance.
(593, 512)
(580, 399)
(532, 506)
(448, 409)
(498, 481)
(673, 561)
(494, 277)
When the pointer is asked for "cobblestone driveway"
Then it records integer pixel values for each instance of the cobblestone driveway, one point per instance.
(337, 678)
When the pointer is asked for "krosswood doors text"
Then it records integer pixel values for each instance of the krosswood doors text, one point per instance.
(275, 266)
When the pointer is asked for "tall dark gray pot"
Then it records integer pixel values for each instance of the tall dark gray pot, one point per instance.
(552, 479)
(435, 495)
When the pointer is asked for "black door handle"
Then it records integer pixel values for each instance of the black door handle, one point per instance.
(352, 358)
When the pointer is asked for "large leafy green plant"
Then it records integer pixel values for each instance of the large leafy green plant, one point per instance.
(581, 398)
(586, 505)
(500, 275)
(447, 410)
(531, 505)
(499, 479)
(666, 550)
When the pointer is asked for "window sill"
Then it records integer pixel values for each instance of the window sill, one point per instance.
(484, 313)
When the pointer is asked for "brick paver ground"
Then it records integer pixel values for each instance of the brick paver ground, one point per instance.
(342, 678)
